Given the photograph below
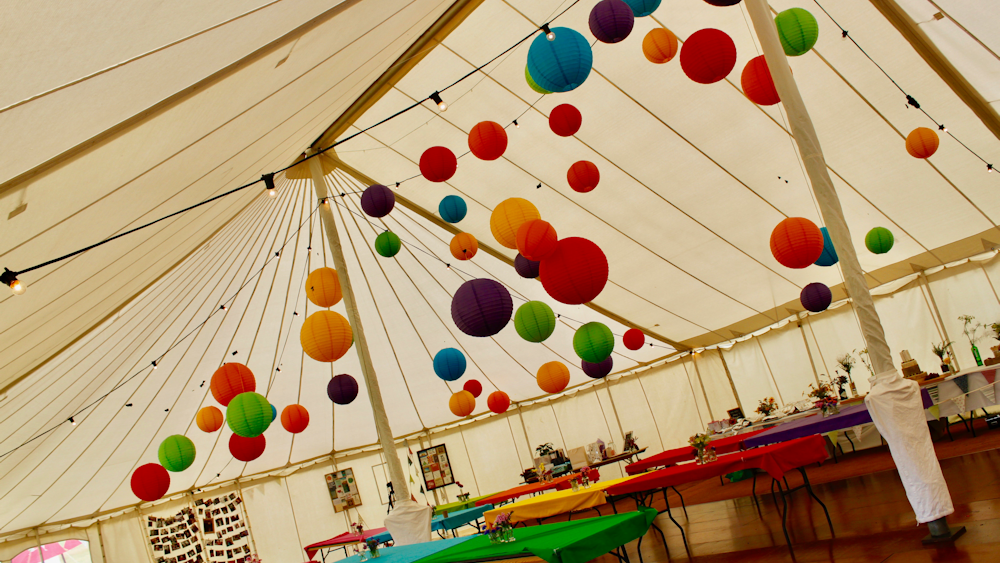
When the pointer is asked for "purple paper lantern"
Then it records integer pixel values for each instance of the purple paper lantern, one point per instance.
(481, 307)
(526, 268)
(342, 389)
(816, 297)
(378, 200)
(598, 370)
(723, 3)
(611, 21)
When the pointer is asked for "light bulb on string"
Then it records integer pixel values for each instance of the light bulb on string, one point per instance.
(71, 421)
(436, 98)
(9, 279)
(516, 124)
(269, 184)
(549, 34)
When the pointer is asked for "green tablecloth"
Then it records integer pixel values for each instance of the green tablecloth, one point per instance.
(563, 542)
(456, 506)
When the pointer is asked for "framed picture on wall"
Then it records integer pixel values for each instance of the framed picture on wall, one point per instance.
(343, 490)
(435, 467)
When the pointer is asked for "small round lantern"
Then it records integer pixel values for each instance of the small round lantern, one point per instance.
(247, 449)
(565, 120)
(829, 256)
(294, 418)
(576, 271)
(498, 402)
(462, 403)
(274, 413)
(449, 364)
(593, 342)
(377, 200)
(248, 414)
(488, 140)
(708, 56)
(536, 239)
(723, 3)
(525, 268)
(633, 339)
(553, 377)
(473, 386)
(643, 8)
(757, 83)
(797, 30)
(660, 45)
(879, 240)
(176, 453)
(796, 242)
(481, 307)
(452, 208)
(342, 389)
(611, 21)
(209, 419)
(562, 64)
(815, 297)
(326, 336)
(323, 287)
(464, 246)
(438, 164)
(583, 176)
(230, 380)
(599, 370)
(534, 321)
(508, 216)
(387, 244)
(532, 84)
(922, 142)
(150, 482)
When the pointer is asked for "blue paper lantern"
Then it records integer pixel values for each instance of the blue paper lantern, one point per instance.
(449, 364)
(816, 297)
(562, 64)
(829, 256)
(452, 208)
(274, 413)
(642, 8)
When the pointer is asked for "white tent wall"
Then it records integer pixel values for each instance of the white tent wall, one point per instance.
(966, 291)
(713, 376)
(124, 539)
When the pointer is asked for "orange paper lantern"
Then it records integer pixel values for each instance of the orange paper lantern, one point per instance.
(464, 246)
(922, 142)
(536, 239)
(209, 419)
(796, 242)
(488, 140)
(326, 336)
(230, 380)
(659, 45)
(498, 402)
(438, 164)
(323, 287)
(757, 83)
(508, 217)
(708, 56)
(553, 377)
(583, 176)
(462, 403)
(294, 418)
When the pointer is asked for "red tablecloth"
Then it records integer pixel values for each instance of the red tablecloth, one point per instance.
(347, 538)
(531, 488)
(677, 455)
(775, 460)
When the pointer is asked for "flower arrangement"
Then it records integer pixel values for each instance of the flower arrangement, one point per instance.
(767, 406)
(824, 399)
(866, 360)
(372, 545)
(972, 332)
(699, 442)
(502, 529)
(995, 327)
(941, 349)
(545, 449)
(846, 363)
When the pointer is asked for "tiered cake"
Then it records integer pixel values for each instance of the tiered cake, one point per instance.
(910, 367)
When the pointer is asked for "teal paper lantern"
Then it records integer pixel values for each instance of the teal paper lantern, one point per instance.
(643, 8)
(449, 364)
(387, 244)
(562, 64)
(797, 30)
(532, 84)
(176, 453)
(879, 240)
(248, 414)
(452, 208)
(274, 413)
(593, 342)
(829, 256)
(534, 321)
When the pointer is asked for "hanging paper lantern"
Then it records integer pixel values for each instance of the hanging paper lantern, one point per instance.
(562, 64)
(230, 380)
(796, 242)
(525, 268)
(583, 176)
(815, 297)
(536, 239)
(247, 449)
(294, 418)
(611, 21)
(342, 389)
(387, 244)
(829, 255)
(660, 45)
(209, 419)
(377, 200)
(565, 120)
(575, 272)
(757, 83)
(462, 403)
(723, 3)
(922, 142)
(633, 339)
(532, 84)
(879, 240)
(643, 8)
(498, 402)
(474, 387)
(598, 370)
(274, 413)
(452, 208)
(176, 453)
(326, 336)
(150, 482)
(708, 56)
(248, 414)
(323, 287)
(438, 164)
(553, 377)
(534, 321)
(797, 30)
(449, 364)
(481, 307)
(464, 246)
(488, 140)
(593, 342)
(508, 216)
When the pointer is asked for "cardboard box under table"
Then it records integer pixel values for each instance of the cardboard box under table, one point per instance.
(555, 503)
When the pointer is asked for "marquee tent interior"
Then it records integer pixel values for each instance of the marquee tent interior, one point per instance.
(171, 104)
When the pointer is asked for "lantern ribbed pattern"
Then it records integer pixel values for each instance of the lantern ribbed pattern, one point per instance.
(248, 414)
(525, 268)
(209, 419)
(708, 56)
(342, 389)
(611, 21)
(643, 8)
(462, 403)
(534, 321)
(660, 45)
(532, 84)
(449, 364)
(536, 239)
(508, 216)
(387, 244)
(598, 370)
(377, 200)
(487, 140)
(815, 297)
(176, 453)
(498, 402)
(230, 380)
(922, 142)
(553, 377)
(150, 482)
(583, 176)
(481, 307)
(565, 120)
(294, 418)
(323, 287)
(438, 164)
(247, 449)
(452, 208)
(879, 240)
(829, 256)
(797, 30)
(576, 271)
(474, 387)
(326, 336)
(633, 339)
(464, 246)
(796, 242)
(757, 83)
(274, 413)
(593, 342)
(560, 65)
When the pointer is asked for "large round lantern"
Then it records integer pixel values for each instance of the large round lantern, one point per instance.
(562, 64)
(532, 84)
(583, 176)
(377, 200)
(209, 419)
(576, 271)
(387, 244)
(150, 482)
(534, 321)
(796, 242)
(797, 30)
(611, 21)
(508, 216)
(598, 370)
(879, 240)
(553, 377)
(660, 45)
(757, 83)
(342, 389)
(323, 287)
(593, 342)
(498, 402)
(294, 418)
(464, 246)
(815, 297)
(481, 307)
(633, 339)
(247, 449)
(462, 403)
(176, 453)
(643, 8)
(452, 208)
(536, 239)
(230, 380)
(525, 268)
(449, 364)
(248, 414)
(488, 140)
(438, 164)
(922, 142)
(473, 386)
(326, 336)
(565, 120)
(829, 256)
(708, 56)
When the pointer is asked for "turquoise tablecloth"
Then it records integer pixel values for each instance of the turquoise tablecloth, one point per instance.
(409, 553)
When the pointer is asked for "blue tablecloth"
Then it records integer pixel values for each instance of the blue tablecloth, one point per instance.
(459, 518)
(410, 553)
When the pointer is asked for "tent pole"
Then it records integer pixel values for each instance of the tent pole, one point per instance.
(360, 342)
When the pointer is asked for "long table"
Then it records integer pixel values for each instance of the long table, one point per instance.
(381, 535)
(532, 488)
(411, 553)
(555, 503)
(687, 453)
(457, 505)
(455, 520)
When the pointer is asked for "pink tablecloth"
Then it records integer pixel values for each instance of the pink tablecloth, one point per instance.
(686, 453)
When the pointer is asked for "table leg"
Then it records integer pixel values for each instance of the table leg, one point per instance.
(684, 506)
(848, 436)
(671, 516)
(805, 478)
(784, 518)
(753, 490)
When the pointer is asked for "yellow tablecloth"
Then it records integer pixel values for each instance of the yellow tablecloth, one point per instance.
(556, 502)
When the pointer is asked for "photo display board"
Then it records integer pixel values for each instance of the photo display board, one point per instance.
(343, 489)
(224, 528)
(175, 538)
(435, 467)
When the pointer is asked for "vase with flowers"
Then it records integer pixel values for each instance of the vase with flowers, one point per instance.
(699, 442)
(824, 399)
(941, 351)
(767, 406)
(502, 529)
(972, 329)
(845, 364)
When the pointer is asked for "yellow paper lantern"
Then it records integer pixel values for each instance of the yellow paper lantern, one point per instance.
(462, 403)
(326, 336)
(323, 287)
(209, 419)
(553, 377)
(508, 216)
(464, 246)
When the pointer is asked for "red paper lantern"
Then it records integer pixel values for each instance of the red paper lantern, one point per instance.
(565, 120)
(246, 449)
(708, 56)
(488, 140)
(498, 402)
(575, 272)
(583, 176)
(438, 164)
(757, 83)
(633, 339)
(796, 242)
(230, 380)
(474, 387)
(150, 482)
(294, 418)
(536, 239)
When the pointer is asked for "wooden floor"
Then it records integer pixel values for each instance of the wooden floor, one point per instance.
(871, 517)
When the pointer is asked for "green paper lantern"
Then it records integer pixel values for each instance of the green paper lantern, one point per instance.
(387, 244)
(248, 414)
(176, 453)
(879, 240)
(797, 30)
(534, 321)
(593, 342)
(534, 85)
